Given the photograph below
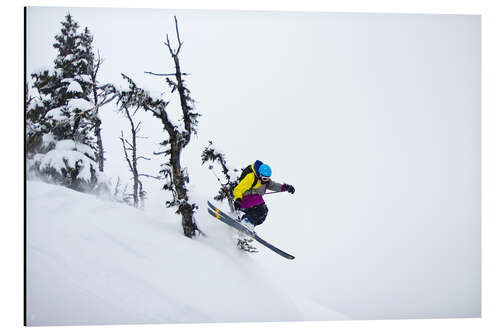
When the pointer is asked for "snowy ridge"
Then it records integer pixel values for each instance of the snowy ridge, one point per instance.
(97, 262)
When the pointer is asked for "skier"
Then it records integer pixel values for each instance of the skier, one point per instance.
(253, 183)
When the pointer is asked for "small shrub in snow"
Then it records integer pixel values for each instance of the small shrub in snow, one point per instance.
(212, 154)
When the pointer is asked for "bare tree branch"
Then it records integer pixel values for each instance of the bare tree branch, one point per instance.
(165, 152)
(150, 176)
(161, 74)
(178, 37)
(136, 109)
(168, 45)
(126, 154)
(130, 146)
(138, 128)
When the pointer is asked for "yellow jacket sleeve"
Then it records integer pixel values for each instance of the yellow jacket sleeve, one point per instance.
(243, 186)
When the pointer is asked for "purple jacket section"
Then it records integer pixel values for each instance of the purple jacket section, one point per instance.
(253, 200)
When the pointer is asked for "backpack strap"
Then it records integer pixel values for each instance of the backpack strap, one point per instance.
(255, 179)
(252, 168)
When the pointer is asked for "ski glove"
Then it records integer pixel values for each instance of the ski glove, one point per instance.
(288, 188)
(237, 204)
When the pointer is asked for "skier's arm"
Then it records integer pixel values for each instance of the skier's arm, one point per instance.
(274, 186)
(243, 186)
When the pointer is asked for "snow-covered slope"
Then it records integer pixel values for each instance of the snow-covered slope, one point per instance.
(91, 261)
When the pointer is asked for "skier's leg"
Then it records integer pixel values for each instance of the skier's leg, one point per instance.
(261, 214)
(257, 214)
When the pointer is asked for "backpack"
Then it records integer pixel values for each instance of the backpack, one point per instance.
(248, 170)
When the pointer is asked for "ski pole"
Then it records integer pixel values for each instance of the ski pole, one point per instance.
(271, 192)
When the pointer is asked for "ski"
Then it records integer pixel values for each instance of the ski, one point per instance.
(228, 220)
(220, 215)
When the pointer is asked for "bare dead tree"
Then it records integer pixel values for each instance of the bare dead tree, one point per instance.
(179, 139)
(175, 176)
(130, 150)
(132, 164)
(101, 94)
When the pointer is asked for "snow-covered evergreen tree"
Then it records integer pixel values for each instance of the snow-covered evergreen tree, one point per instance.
(72, 94)
(63, 108)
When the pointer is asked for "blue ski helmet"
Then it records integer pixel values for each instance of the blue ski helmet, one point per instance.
(265, 170)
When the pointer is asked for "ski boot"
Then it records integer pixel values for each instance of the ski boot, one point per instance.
(248, 225)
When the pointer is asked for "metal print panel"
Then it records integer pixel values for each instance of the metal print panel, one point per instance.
(350, 141)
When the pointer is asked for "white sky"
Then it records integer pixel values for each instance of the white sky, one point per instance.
(375, 119)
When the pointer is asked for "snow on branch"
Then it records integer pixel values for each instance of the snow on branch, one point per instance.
(213, 154)
(168, 74)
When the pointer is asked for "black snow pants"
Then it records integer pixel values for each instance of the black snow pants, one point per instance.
(256, 214)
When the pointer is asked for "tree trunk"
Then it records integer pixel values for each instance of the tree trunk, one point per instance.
(134, 167)
(100, 148)
(132, 160)
(185, 209)
(183, 100)
(97, 122)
